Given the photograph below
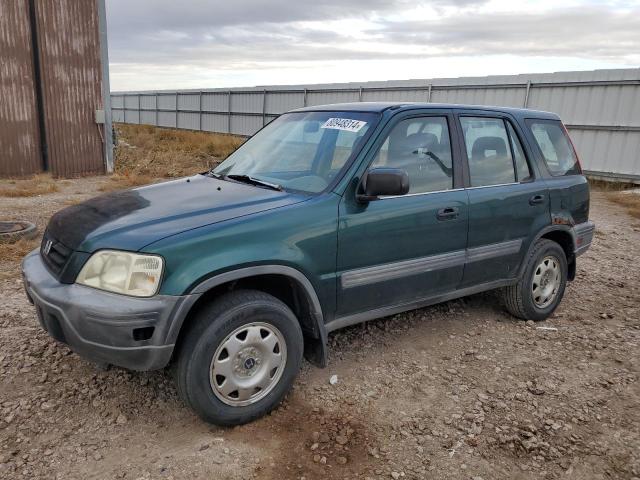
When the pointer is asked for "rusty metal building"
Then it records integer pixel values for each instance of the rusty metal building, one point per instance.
(55, 113)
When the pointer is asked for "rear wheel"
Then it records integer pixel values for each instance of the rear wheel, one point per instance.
(240, 357)
(541, 288)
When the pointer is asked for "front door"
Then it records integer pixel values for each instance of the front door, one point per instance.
(400, 249)
(508, 201)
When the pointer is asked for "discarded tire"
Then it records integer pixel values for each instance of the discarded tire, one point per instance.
(11, 232)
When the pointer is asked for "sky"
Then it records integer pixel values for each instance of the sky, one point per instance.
(177, 44)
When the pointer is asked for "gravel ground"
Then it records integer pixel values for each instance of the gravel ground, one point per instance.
(456, 391)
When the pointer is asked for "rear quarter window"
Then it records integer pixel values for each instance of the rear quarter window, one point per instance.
(556, 148)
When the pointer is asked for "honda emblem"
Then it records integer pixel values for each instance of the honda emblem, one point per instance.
(47, 247)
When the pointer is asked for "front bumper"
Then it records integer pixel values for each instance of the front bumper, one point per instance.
(103, 327)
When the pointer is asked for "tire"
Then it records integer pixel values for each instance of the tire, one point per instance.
(11, 232)
(245, 324)
(527, 299)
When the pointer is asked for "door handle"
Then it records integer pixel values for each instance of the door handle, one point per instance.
(448, 213)
(536, 200)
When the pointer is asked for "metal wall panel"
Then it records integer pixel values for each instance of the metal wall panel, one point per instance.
(323, 98)
(148, 102)
(245, 124)
(117, 101)
(71, 75)
(166, 119)
(189, 101)
(212, 122)
(249, 102)
(167, 102)
(19, 130)
(417, 95)
(505, 97)
(591, 105)
(132, 116)
(215, 102)
(133, 102)
(601, 108)
(280, 102)
(148, 118)
(118, 115)
(603, 151)
(188, 120)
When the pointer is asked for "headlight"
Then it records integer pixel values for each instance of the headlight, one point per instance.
(122, 272)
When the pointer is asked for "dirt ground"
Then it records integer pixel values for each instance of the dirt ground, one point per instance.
(455, 391)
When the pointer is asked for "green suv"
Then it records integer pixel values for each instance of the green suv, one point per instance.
(327, 217)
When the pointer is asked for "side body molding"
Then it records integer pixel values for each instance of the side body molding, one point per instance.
(390, 271)
(315, 350)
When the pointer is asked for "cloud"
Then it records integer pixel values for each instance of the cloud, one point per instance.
(204, 14)
(588, 31)
(168, 29)
(171, 37)
(198, 14)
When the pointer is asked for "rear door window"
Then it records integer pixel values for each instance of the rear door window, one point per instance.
(488, 151)
(555, 146)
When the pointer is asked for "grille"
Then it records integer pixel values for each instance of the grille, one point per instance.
(57, 255)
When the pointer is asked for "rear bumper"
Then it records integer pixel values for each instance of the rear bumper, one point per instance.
(582, 237)
(103, 327)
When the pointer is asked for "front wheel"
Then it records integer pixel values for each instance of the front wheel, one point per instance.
(541, 288)
(239, 358)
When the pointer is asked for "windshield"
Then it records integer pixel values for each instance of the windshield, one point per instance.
(301, 151)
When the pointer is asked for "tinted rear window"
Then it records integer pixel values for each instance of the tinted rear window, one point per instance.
(556, 148)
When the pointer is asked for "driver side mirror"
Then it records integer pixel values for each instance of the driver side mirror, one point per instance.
(382, 182)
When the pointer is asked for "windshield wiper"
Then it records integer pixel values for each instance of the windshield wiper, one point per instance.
(254, 181)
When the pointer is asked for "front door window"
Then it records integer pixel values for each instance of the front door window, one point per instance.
(421, 147)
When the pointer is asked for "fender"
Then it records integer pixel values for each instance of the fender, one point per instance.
(315, 349)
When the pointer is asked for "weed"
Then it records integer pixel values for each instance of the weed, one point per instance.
(37, 185)
(15, 251)
(155, 152)
(629, 200)
(608, 186)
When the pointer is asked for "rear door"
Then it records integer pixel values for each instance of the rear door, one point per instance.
(400, 249)
(508, 199)
(568, 188)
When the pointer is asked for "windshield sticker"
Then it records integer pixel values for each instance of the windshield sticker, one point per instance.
(344, 124)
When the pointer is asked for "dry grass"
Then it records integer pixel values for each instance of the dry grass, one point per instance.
(36, 185)
(631, 201)
(607, 186)
(73, 201)
(617, 192)
(119, 181)
(146, 154)
(16, 251)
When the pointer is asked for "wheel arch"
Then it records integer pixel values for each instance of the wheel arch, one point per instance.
(285, 283)
(563, 235)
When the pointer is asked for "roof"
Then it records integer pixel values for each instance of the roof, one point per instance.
(379, 107)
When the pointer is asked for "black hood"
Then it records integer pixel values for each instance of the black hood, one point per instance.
(131, 219)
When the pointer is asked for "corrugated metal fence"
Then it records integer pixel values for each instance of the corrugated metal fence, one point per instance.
(601, 108)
